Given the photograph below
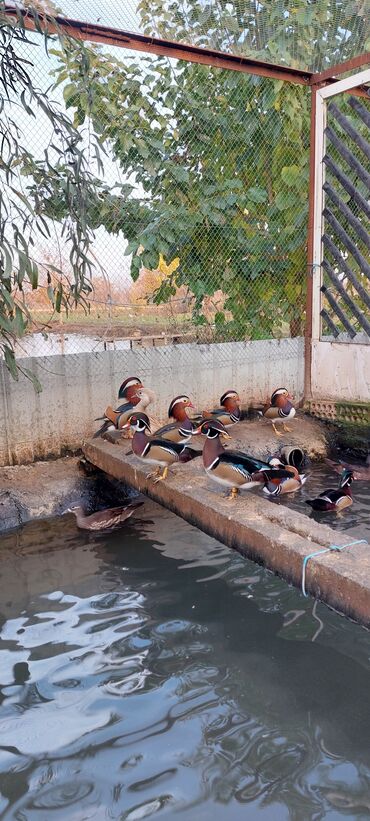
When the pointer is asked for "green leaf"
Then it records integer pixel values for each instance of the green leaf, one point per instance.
(11, 362)
(257, 194)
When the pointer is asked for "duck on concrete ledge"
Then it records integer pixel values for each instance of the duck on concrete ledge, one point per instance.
(182, 429)
(234, 468)
(337, 499)
(154, 450)
(229, 413)
(279, 410)
(116, 419)
(104, 519)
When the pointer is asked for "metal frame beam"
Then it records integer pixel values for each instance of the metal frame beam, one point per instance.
(154, 45)
(185, 51)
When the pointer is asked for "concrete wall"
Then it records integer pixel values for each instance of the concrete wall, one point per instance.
(340, 371)
(78, 387)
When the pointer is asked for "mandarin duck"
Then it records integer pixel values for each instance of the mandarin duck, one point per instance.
(277, 487)
(359, 471)
(182, 429)
(233, 468)
(103, 519)
(116, 419)
(229, 413)
(279, 410)
(154, 450)
(337, 499)
(129, 387)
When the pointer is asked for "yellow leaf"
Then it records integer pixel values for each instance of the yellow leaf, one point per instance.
(167, 269)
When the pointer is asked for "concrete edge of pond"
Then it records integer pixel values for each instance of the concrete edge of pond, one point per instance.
(274, 536)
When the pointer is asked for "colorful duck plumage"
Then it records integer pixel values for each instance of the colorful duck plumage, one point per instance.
(279, 410)
(229, 413)
(278, 487)
(234, 468)
(335, 499)
(154, 450)
(182, 429)
(116, 419)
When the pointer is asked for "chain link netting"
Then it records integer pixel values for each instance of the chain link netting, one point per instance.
(201, 221)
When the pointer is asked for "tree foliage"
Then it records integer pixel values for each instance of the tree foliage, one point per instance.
(28, 181)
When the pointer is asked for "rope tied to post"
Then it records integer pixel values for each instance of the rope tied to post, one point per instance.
(334, 548)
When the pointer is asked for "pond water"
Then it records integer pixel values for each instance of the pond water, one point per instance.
(355, 520)
(154, 673)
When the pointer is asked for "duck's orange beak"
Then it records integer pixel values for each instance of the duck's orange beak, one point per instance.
(225, 435)
(126, 425)
(189, 404)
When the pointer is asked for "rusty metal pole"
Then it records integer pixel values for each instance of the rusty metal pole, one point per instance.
(310, 251)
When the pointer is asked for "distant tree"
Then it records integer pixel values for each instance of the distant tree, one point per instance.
(222, 157)
(28, 182)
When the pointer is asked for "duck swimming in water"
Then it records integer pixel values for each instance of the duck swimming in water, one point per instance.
(337, 499)
(104, 519)
(278, 487)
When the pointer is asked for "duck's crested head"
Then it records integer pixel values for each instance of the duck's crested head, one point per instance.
(213, 429)
(230, 396)
(138, 422)
(129, 386)
(346, 477)
(181, 401)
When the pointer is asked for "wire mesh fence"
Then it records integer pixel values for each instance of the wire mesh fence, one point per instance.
(200, 217)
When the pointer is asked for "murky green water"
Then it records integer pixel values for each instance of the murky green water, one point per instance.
(157, 674)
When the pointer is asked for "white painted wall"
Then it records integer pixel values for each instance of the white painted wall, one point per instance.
(77, 388)
(340, 371)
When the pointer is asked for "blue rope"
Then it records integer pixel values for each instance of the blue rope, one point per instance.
(333, 547)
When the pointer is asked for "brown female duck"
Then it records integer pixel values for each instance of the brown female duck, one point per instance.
(104, 519)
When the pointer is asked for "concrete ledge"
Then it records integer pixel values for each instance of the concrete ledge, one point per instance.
(270, 535)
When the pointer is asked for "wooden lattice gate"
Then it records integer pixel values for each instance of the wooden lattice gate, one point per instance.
(340, 350)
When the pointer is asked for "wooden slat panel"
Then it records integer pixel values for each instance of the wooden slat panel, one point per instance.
(347, 214)
(329, 323)
(348, 186)
(360, 109)
(355, 311)
(350, 130)
(345, 269)
(338, 311)
(347, 155)
(347, 242)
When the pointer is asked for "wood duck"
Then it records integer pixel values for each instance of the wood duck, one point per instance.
(182, 429)
(335, 499)
(359, 471)
(229, 413)
(277, 487)
(116, 419)
(104, 519)
(154, 450)
(234, 468)
(279, 410)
